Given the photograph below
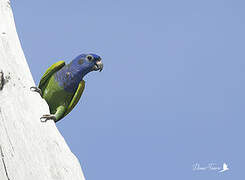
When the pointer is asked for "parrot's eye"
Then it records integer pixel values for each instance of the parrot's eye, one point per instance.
(89, 58)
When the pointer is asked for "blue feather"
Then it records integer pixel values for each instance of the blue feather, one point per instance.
(72, 74)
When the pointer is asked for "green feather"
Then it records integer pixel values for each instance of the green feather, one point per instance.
(49, 72)
(76, 97)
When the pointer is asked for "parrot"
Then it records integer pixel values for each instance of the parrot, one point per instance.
(62, 84)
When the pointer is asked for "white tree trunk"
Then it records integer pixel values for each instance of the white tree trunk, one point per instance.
(29, 149)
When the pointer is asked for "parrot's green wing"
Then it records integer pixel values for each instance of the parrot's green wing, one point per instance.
(76, 97)
(49, 72)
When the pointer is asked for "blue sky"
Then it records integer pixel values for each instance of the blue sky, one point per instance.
(172, 90)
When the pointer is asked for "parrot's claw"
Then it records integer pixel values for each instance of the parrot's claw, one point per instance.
(36, 89)
(47, 117)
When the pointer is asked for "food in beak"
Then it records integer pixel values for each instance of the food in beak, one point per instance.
(98, 66)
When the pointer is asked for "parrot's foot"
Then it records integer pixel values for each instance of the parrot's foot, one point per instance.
(47, 117)
(36, 89)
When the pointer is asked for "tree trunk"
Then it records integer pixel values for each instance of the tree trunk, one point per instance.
(29, 149)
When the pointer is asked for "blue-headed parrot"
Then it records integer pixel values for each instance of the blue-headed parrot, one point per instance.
(62, 85)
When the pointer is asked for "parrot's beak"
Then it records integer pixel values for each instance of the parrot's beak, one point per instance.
(98, 66)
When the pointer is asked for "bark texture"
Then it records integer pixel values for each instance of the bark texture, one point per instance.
(29, 149)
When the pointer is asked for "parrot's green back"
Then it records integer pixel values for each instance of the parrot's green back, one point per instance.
(55, 95)
(49, 72)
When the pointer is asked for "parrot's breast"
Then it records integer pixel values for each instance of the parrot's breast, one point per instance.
(55, 95)
(68, 78)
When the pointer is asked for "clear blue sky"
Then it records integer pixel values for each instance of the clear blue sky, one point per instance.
(172, 90)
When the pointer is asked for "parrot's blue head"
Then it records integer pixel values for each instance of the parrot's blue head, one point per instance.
(72, 74)
(86, 63)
